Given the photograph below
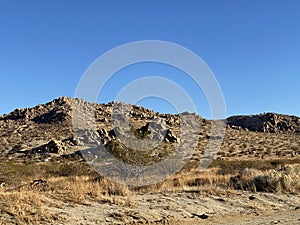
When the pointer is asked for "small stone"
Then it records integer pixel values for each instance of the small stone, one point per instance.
(252, 197)
(220, 200)
(202, 216)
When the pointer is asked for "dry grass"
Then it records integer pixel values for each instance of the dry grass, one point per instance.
(28, 205)
(286, 179)
(245, 145)
(235, 165)
(74, 182)
(192, 181)
(82, 189)
(24, 207)
(24, 201)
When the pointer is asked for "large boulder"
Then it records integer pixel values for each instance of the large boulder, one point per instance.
(54, 146)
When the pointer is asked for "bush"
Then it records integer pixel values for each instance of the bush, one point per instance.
(286, 179)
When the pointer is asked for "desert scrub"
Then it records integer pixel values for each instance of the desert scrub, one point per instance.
(287, 179)
(235, 166)
(191, 181)
(244, 179)
(80, 189)
(136, 157)
(25, 207)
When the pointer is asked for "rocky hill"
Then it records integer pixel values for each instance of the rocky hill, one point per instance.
(45, 180)
(46, 131)
(268, 122)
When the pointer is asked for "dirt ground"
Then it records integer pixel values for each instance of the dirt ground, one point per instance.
(287, 217)
(188, 208)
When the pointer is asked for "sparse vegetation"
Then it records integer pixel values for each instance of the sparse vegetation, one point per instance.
(233, 166)
(74, 182)
(25, 207)
(32, 181)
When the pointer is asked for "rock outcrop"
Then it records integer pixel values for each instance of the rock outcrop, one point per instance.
(56, 111)
(268, 122)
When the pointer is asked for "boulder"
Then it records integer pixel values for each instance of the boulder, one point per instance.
(54, 146)
(170, 137)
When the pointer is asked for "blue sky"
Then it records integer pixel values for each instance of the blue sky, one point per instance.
(253, 48)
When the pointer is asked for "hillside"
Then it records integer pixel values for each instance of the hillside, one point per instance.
(47, 129)
(49, 153)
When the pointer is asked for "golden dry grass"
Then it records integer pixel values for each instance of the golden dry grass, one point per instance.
(24, 207)
(196, 181)
(82, 189)
(23, 202)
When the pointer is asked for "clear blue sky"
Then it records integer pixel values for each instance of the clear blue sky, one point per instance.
(253, 48)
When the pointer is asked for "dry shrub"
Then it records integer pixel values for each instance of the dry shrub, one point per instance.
(23, 208)
(80, 189)
(235, 165)
(26, 204)
(189, 181)
(287, 179)
(244, 179)
(119, 200)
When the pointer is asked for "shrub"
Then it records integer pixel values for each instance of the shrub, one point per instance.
(286, 179)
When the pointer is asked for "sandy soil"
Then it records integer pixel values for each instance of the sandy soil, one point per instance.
(188, 208)
(287, 217)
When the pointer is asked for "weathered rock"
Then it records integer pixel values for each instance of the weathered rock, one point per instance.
(170, 137)
(54, 146)
(87, 137)
(268, 122)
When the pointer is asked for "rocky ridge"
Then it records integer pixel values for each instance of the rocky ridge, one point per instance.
(267, 122)
(47, 130)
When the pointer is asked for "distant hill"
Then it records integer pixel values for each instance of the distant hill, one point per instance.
(268, 122)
